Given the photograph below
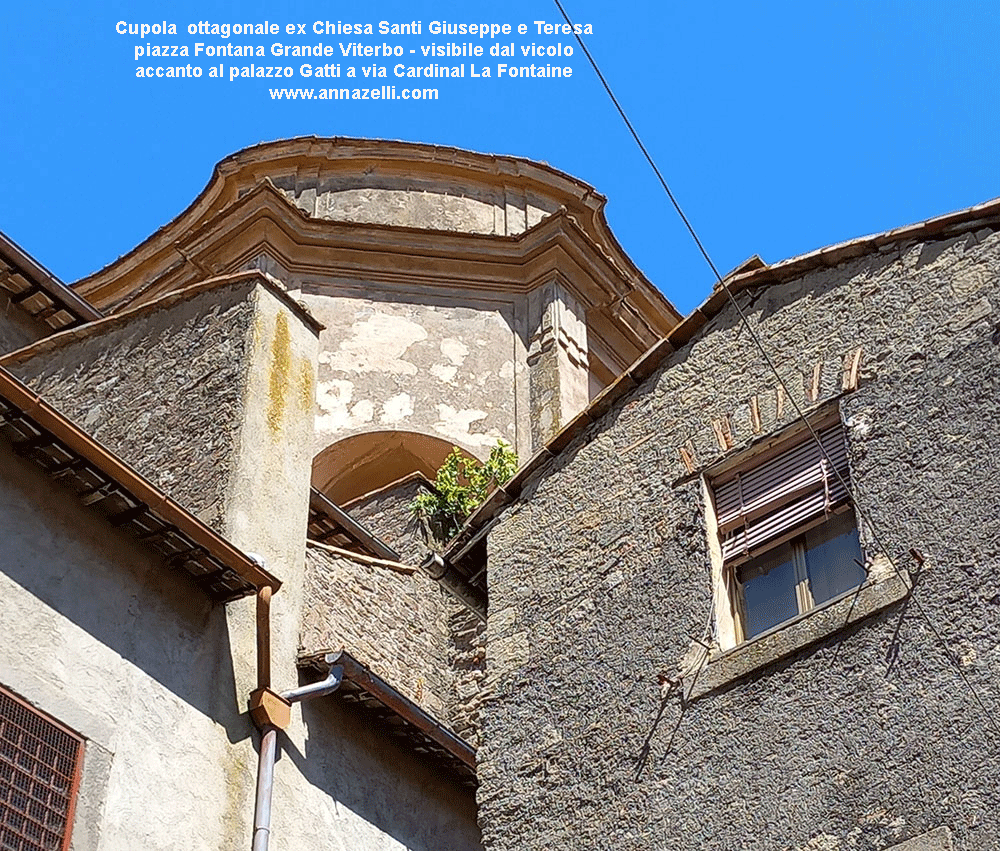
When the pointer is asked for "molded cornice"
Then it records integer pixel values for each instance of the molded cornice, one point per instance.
(342, 256)
(318, 159)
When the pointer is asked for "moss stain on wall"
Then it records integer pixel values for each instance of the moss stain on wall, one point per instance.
(280, 373)
(307, 385)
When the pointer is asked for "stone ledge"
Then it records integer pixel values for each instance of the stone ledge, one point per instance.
(787, 639)
(938, 839)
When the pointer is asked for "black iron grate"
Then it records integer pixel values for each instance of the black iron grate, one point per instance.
(39, 774)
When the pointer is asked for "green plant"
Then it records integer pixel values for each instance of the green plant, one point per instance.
(462, 485)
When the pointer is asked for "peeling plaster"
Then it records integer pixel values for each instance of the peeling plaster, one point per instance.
(455, 425)
(334, 398)
(455, 350)
(397, 408)
(362, 412)
(444, 373)
(377, 345)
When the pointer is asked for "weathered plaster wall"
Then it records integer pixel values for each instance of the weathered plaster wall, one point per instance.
(267, 494)
(355, 788)
(441, 369)
(100, 634)
(861, 741)
(464, 369)
(17, 329)
(428, 203)
(165, 391)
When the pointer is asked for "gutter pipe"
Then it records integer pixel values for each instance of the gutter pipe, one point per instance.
(327, 686)
(265, 785)
(37, 275)
(443, 572)
(269, 752)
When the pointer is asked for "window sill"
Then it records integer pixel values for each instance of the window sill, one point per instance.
(723, 668)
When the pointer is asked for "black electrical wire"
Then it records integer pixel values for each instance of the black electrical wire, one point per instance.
(770, 363)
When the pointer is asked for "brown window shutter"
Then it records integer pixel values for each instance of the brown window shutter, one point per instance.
(759, 504)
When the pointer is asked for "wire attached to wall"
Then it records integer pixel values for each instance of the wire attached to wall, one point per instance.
(744, 319)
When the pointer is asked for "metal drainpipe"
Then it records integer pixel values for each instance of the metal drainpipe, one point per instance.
(265, 784)
(451, 580)
(269, 754)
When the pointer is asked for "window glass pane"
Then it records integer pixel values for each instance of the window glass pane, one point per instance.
(832, 556)
(769, 592)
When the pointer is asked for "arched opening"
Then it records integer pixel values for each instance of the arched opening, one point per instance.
(367, 462)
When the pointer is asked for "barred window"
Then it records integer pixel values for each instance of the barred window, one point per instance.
(787, 532)
(40, 762)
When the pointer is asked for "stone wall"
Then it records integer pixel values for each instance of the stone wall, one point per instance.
(467, 662)
(465, 368)
(386, 513)
(394, 624)
(406, 628)
(163, 390)
(600, 589)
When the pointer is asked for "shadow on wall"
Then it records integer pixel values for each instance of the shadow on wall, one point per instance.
(363, 770)
(126, 598)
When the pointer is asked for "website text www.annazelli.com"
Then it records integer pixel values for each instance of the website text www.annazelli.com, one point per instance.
(380, 93)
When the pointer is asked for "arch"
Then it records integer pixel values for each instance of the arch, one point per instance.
(366, 462)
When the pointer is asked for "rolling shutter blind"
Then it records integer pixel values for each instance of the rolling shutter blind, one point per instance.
(764, 503)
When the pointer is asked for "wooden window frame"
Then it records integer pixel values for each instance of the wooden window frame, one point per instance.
(728, 591)
(804, 597)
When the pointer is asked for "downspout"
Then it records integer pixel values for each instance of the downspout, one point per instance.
(269, 718)
(265, 784)
(268, 730)
(327, 686)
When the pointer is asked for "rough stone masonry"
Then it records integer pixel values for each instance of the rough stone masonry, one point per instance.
(864, 739)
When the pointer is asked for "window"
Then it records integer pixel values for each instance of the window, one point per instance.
(787, 534)
(39, 774)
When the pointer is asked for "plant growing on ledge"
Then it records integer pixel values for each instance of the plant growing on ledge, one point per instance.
(461, 486)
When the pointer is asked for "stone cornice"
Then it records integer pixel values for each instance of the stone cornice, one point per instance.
(402, 259)
(320, 158)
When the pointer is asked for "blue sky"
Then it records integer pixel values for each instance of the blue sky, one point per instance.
(781, 126)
